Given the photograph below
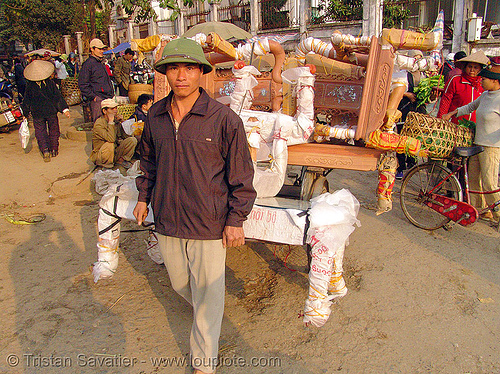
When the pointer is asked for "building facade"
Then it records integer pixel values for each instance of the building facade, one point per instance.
(306, 18)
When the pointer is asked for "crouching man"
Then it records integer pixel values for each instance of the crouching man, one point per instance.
(198, 176)
(110, 144)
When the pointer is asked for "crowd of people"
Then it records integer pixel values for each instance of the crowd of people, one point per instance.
(39, 80)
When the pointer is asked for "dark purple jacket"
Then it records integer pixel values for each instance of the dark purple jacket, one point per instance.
(198, 179)
(94, 80)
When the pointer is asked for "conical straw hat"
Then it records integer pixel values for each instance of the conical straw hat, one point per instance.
(478, 57)
(38, 70)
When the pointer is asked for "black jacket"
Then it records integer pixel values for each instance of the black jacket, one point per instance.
(198, 178)
(43, 101)
(94, 80)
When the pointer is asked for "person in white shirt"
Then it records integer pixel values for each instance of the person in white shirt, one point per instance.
(483, 167)
(61, 72)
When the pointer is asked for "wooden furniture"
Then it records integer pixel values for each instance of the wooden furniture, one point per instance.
(359, 101)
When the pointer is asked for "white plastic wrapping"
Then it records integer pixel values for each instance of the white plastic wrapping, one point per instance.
(242, 96)
(24, 133)
(332, 218)
(268, 182)
(428, 63)
(260, 48)
(118, 202)
(105, 178)
(313, 45)
(271, 133)
(107, 246)
(338, 38)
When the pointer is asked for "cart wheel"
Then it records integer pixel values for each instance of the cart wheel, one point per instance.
(313, 184)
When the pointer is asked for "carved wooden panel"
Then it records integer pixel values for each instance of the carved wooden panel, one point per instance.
(332, 156)
(376, 89)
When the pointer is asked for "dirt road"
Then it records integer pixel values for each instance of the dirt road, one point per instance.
(418, 302)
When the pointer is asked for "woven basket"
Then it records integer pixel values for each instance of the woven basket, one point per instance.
(135, 90)
(126, 110)
(70, 91)
(437, 136)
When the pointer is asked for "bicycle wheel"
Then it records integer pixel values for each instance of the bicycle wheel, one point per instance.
(414, 188)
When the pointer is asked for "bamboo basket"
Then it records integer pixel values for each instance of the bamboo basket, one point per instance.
(136, 90)
(126, 110)
(70, 91)
(437, 136)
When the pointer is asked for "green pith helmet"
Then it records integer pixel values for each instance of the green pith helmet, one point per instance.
(182, 50)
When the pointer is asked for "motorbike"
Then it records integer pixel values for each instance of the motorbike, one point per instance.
(11, 115)
(6, 89)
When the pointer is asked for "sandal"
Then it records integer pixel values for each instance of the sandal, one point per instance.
(54, 152)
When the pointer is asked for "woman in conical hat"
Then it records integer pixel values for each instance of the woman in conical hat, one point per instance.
(463, 89)
(43, 100)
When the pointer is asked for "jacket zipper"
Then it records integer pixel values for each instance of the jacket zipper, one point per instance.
(176, 174)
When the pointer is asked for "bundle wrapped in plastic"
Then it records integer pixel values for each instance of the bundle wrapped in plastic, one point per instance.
(118, 202)
(342, 132)
(386, 176)
(242, 96)
(314, 45)
(393, 142)
(338, 38)
(404, 39)
(332, 219)
(107, 245)
(269, 134)
(302, 80)
(328, 66)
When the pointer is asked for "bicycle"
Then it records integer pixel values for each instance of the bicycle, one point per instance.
(432, 196)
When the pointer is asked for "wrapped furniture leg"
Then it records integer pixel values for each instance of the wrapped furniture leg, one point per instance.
(332, 219)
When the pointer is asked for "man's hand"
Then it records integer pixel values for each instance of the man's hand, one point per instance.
(233, 236)
(67, 114)
(111, 118)
(411, 96)
(140, 212)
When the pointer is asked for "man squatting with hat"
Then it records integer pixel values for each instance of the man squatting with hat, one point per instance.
(110, 144)
(43, 99)
(198, 177)
(94, 81)
(483, 167)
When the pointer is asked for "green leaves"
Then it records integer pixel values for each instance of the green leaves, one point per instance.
(40, 22)
(424, 89)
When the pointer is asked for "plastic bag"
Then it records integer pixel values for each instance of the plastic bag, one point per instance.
(24, 133)
(133, 128)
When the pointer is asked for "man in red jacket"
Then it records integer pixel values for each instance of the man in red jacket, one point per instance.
(198, 177)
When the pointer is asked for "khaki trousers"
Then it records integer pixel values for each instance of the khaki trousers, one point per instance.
(483, 176)
(197, 272)
(107, 155)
